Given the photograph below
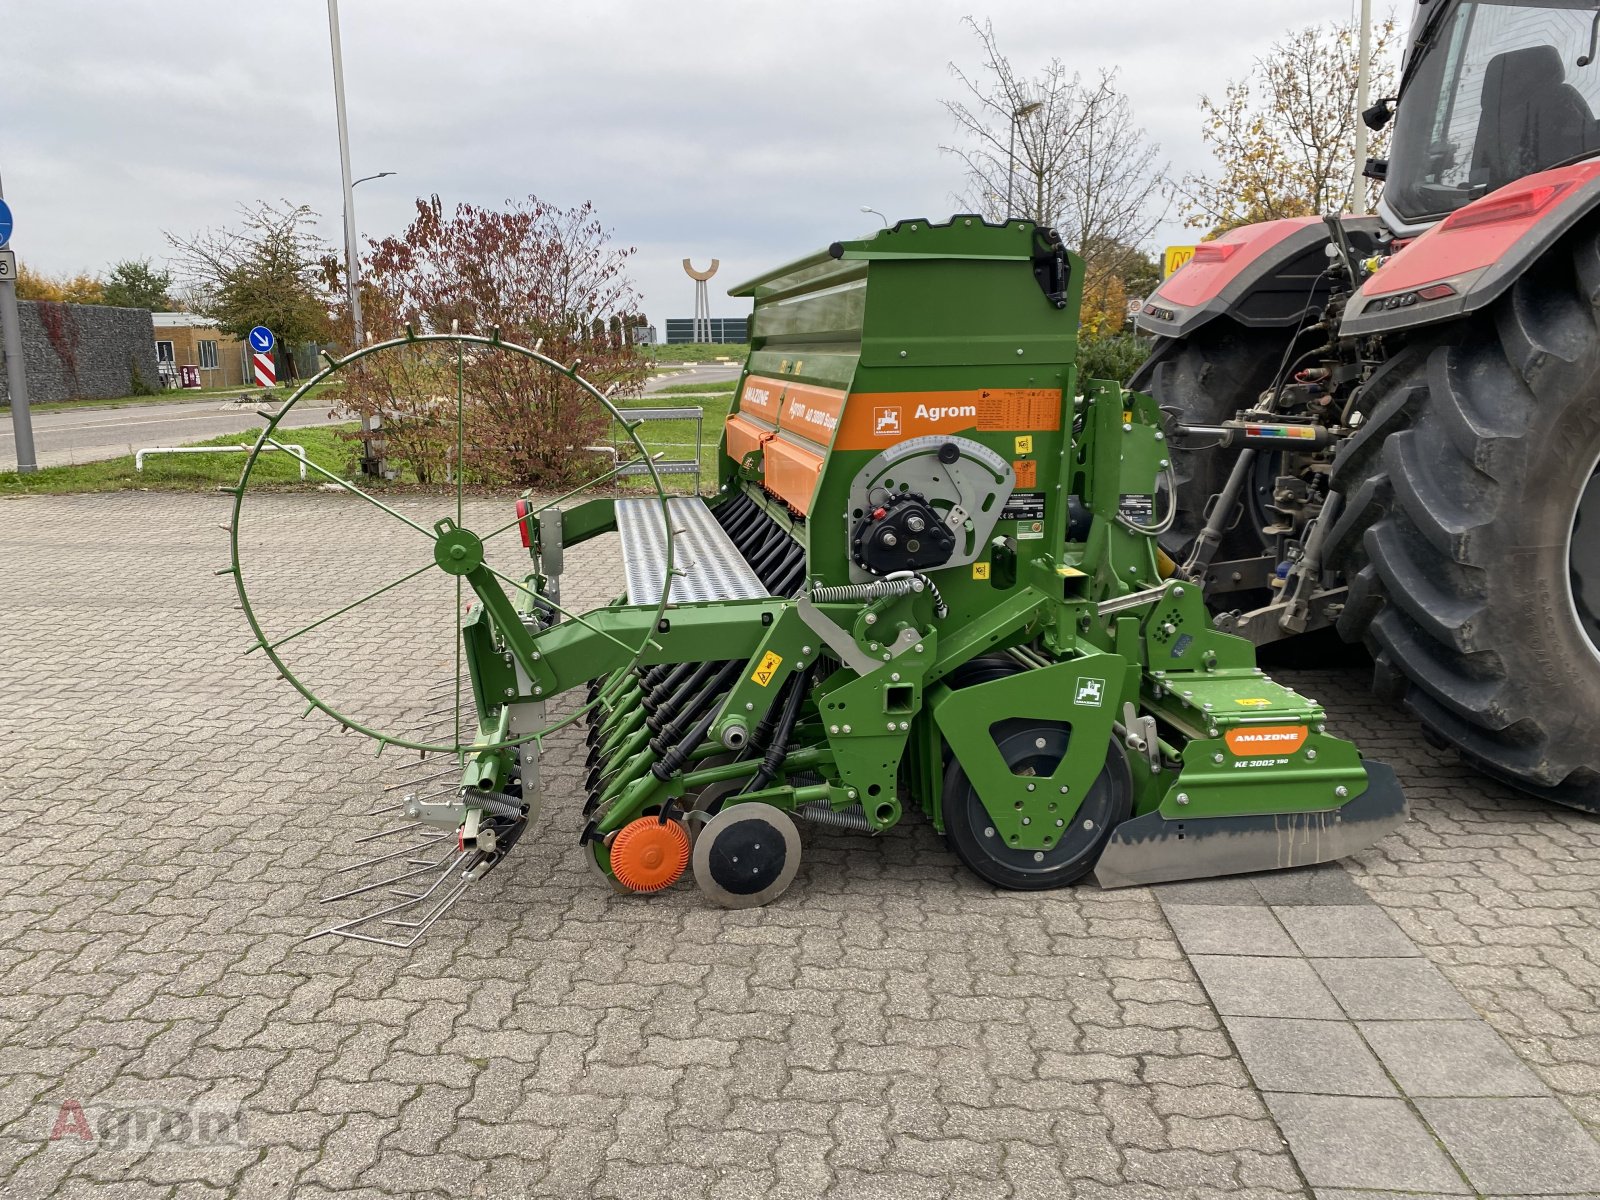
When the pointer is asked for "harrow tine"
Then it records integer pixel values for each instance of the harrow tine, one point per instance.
(405, 783)
(368, 887)
(372, 862)
(372, 837)
(350, 929)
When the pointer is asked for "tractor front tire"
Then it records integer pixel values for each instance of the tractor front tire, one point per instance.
(1208, 377)
(1470, 534)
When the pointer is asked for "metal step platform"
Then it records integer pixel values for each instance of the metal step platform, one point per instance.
(706, 564)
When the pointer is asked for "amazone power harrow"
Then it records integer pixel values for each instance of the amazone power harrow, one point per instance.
(928, 579)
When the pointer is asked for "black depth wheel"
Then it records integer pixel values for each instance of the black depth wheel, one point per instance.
(746, 855)
(1033, 749)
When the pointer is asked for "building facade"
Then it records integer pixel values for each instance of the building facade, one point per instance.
(184, 339)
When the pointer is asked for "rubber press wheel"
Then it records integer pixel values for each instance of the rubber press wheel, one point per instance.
(746, 855)
(1035, 750)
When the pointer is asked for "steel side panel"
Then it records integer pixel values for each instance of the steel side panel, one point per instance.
(1153, 849)
(1083, 693)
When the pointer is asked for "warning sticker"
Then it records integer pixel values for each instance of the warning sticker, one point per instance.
(767, 668)
(1025, 443)
(1254, 702)
(1027, 471)
(980, 570)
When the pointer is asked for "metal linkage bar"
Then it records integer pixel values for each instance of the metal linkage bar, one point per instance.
(297, 451)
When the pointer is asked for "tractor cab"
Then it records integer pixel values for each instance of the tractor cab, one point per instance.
(1493, 90)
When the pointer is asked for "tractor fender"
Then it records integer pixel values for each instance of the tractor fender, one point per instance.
(1471, 257)
(1261, 275)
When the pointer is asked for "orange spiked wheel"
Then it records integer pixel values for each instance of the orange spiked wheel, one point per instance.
(647, 856)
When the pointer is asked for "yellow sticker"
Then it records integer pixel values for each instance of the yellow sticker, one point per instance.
(1127, 417)
(1254, 702)
(980, 570)
(1025, 443)
(767, 668)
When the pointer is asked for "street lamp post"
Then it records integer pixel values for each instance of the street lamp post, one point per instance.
(352, 262)
(867, 208)
(370, 465)
(1018, 115)
(1358, 187)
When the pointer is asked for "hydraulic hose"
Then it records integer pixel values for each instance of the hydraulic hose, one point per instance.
(778, 749)
(668, 736)
(671, 762)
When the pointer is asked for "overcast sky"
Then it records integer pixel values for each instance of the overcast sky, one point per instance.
(746, 131)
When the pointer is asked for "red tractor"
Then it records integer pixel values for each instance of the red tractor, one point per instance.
(1390, 424)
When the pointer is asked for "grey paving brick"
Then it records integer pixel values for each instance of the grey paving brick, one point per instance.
(1392, 989)
(1517, 1145)
(1350, 1142)
(1228, 929)
(1265, 987)
(1450, 1058)
(1326, 1057)
(118, 959)
(1230, 889)
(1326, 883)
(1345, 931)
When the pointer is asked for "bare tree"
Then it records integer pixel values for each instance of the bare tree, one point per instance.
(265, 272)
(1064, 153)
(1285, 136)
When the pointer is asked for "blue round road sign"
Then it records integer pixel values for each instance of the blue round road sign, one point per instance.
(5, 222)
(261, 339)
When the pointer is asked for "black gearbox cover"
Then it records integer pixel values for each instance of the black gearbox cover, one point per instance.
(903, 533)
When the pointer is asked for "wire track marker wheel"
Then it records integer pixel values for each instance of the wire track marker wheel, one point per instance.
(746, 855)
(363, 644)
(1035, 750)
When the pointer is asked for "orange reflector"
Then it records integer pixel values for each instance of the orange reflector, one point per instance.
(1253, 741)
(647, 856)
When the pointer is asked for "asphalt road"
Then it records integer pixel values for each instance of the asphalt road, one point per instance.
(65, 436)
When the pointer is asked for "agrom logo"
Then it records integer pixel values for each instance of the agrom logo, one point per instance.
(1261, 740)
(1091, 693)
(886, 421)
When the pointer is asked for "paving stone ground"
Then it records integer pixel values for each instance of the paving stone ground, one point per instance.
(890, 1028)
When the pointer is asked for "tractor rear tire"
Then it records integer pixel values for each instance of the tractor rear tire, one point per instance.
(1471, 581)
(1207, 377)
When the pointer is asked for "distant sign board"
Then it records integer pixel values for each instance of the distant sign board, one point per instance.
(5, 222)
(8, 266)
(261, 339)
(1175, 257)
(1135, 305)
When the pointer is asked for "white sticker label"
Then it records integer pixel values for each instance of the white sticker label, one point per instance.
(1091, 693)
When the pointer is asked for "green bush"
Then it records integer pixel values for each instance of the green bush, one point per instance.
(1115, 357)
(137, 384)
